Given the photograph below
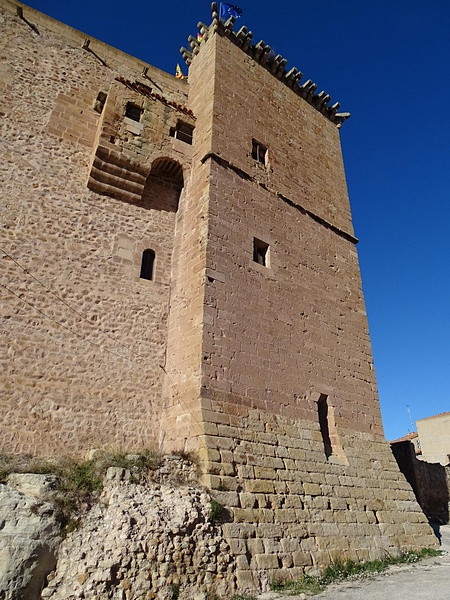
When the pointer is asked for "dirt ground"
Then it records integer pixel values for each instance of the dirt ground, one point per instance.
(427, 580)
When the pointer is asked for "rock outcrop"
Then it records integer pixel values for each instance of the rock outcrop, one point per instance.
(153, 537)
(29, 535)
(143, 541)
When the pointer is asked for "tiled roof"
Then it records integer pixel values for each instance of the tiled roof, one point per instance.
(406, 438)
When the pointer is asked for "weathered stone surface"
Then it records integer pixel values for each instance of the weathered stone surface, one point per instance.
(145, 539)
(33, 484)
(86, 344)
(29, 537)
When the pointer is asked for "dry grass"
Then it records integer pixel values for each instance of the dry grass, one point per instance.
(79, 484)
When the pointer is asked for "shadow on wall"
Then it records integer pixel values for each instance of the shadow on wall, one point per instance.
(429, 481)
(163, 186)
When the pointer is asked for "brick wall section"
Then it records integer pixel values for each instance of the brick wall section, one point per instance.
(84, 336)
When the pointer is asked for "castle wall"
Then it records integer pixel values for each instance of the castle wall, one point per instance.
(83, 336)
(304, 156)
(428, 480)
(275, 334)
(264, 369)
(182, 417)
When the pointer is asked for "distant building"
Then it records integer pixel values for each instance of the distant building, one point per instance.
(434, 436)
(412, 437)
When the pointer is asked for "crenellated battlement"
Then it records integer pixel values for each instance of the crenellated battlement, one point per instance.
(264, 55)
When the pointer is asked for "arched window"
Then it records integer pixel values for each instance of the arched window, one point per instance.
(148, 261)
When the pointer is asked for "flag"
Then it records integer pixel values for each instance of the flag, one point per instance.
(229, 10)
(179, 73)
(199, 37)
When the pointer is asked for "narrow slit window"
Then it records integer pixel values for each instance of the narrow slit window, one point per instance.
(260, 252)
(322, 407)
(259, 152)
(147, 264)
(330, 437)
(133, 112)
(183, 132)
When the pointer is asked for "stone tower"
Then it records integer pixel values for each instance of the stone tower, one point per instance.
(269, 364)
(181, 270)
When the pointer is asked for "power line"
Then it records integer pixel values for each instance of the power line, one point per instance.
(90, 323)
(62, 325)
(64, 302)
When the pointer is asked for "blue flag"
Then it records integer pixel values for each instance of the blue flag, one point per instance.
(229, 10)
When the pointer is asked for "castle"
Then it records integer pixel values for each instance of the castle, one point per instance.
(179, 270)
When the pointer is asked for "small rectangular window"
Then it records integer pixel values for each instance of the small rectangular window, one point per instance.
(260, 252)
(259, 152)
(133, 112)
(100, 102)
(183, 132)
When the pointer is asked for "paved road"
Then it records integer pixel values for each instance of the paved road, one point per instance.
(427, 580)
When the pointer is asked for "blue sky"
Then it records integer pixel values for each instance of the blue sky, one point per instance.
(386, 62)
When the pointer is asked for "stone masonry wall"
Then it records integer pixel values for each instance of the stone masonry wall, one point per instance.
(83, 336)
(274, 334)
(294, 510)
(428, 480)
(256, 349)
(182, 418)
(265, 370)
(280, 337)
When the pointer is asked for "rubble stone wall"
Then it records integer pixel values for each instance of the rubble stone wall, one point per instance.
(428, 480)
(84, 336)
